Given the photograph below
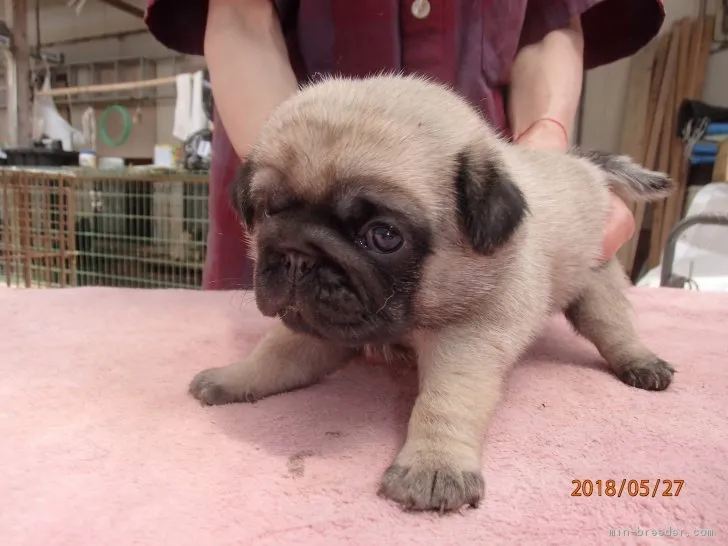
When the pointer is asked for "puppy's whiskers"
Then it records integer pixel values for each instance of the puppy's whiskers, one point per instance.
(291, 307)
(384, 305)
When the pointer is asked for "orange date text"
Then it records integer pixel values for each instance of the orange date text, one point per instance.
(659, 487)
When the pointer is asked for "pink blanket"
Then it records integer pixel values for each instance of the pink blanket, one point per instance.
(100, 444)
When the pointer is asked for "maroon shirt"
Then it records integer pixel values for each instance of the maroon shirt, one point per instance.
(470, 44)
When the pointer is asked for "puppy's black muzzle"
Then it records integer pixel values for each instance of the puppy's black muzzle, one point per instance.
(316, 279)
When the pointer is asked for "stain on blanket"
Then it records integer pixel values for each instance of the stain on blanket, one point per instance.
(297, 463)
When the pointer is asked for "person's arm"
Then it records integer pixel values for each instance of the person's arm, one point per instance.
(546, 84)
(250, 71)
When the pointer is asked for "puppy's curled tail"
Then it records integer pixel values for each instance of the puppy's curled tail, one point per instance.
(629, 179)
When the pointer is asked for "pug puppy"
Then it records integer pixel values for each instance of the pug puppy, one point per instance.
(385, 215)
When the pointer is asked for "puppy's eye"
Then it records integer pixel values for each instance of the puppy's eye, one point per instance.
(382, 238)
(278, 205)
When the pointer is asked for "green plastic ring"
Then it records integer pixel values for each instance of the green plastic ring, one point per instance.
(126, 130)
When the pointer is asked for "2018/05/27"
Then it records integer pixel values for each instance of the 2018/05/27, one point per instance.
(633, 488)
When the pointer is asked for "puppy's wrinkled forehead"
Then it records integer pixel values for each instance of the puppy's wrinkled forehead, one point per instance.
(349, 199)
(378, 130)
(313, 154)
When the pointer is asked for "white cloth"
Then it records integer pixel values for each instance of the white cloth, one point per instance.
(183, 107)
(198, 119)
(88, 127)
(48, 120)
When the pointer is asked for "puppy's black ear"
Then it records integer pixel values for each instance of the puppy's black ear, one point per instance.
(240, 193)
(489, 204)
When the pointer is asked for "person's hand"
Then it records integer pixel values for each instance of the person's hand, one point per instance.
(621, 224)
(620, 228)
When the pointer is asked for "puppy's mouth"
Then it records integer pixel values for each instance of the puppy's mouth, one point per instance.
(326, 304)
(294, 319)
(306, 313)
(300, 321)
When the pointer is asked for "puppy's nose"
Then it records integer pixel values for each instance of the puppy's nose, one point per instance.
(298, 264)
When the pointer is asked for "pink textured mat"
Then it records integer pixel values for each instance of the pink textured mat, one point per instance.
(100, 444)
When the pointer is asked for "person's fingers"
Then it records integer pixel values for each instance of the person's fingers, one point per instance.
(620, 228)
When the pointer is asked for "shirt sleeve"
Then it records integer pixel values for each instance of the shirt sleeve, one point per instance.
(178, 25)
(613, 29)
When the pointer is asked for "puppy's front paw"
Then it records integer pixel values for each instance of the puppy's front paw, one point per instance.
(218, 386)
(652, 374)
(429, 485)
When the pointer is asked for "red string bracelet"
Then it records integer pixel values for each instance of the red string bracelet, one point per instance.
(551, 120)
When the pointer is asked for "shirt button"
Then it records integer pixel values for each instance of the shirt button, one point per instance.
(420, 8)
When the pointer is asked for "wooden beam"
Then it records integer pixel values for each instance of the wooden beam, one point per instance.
(107, 87)
(671, 153)
(665, 145)
(661, 74)
(21, 48)
(11, 108)
(11, 86)
(690, 39)
(125, 7)
(18, 75)
(696, 56)
(633, 139)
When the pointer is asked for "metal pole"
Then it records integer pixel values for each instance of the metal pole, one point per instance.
(669, 256)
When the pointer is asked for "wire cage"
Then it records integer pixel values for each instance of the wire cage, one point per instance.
(77, 227)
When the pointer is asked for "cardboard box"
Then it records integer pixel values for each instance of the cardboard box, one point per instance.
(720, 168)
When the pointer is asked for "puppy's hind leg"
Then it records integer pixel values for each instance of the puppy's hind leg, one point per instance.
(603, 315)
(282, 361)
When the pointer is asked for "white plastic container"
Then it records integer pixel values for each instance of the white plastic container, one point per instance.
(111, 163)
(701, 252)
(87, 158)
(163, 156)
